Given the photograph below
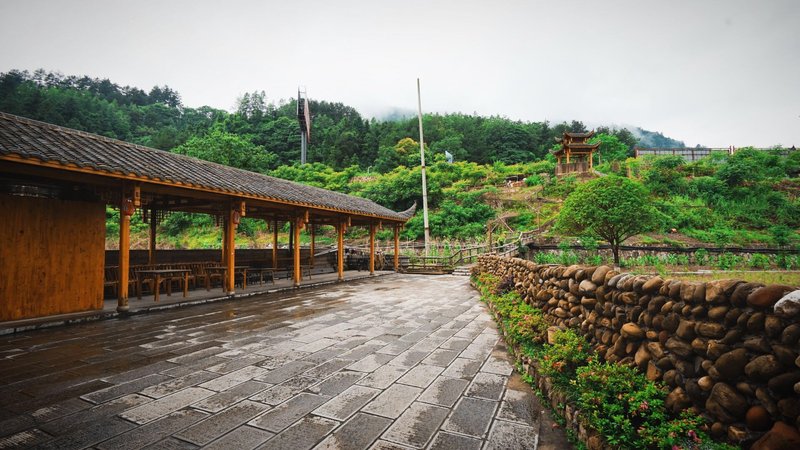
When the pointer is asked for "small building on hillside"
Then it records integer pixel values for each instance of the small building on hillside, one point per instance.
(690, 154)
(575, 154)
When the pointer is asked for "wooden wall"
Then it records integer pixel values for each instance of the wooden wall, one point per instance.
(51, 257)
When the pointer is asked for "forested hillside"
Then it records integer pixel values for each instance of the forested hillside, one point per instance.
(265, 132)
(751, 196)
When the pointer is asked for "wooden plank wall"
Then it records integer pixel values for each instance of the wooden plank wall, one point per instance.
(51, 257)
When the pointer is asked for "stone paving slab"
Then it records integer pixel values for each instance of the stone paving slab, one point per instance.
(218, 424)
(444, 391)
(449, 441)
(417, 425)
(358, 433)
(154, 431)
(471, 417)
(242, 438)
(394, 362)
(302, 435)
(393, 401)
(347, 403)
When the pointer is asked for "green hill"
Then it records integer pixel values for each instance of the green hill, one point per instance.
(749, 197)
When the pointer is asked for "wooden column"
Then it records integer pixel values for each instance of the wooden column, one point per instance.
(151, 255)
(340, 228)
(298, 223)
(275, 244)
(229, 247)
(489, 236)
(224, 255)
(125, 212)
(311, 248)
(372, 249)
(397, 248)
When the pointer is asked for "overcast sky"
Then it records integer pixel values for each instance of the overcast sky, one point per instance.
(716, 73)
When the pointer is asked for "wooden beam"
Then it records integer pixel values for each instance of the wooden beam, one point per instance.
(311, 248)
(372, 249)
(340, 250)
(223, 256)
(125, 211)
(296, 251)
(230, 249)
(275, 244)
(151, 255)
(396, 249)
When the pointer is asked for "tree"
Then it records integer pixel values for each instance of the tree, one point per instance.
(228, 149)
(611, 148)
(611, 208)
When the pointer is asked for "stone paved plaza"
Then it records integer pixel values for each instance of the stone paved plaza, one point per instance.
(388, 363)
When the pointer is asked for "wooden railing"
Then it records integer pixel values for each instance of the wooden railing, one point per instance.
(575, 167)
(468, 255)
(463, 256)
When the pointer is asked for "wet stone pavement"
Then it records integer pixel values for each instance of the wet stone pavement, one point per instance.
(390, 363)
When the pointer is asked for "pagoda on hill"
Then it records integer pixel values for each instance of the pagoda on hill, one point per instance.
(575, 152)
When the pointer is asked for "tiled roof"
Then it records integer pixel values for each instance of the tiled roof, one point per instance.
(586, 134)
(30, 139)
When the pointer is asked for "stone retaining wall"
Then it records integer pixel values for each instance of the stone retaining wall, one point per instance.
(727, 348)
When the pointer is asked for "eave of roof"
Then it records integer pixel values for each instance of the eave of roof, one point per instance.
(38, 143)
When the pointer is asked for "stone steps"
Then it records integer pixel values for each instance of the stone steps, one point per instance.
(463, 271)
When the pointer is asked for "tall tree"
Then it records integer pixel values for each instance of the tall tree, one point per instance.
(611, 208)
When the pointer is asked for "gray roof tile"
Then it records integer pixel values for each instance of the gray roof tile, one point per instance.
(31, 139)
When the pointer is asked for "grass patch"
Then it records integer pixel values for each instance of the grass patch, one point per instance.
(772, 277)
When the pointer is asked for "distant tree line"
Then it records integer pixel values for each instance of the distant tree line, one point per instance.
(262, 135)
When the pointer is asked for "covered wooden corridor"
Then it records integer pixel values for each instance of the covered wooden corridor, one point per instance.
(55, 184)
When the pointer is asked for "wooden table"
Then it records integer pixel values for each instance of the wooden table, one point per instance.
(223, 270)
(167, 274)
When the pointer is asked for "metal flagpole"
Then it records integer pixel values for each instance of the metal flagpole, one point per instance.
(424, 181)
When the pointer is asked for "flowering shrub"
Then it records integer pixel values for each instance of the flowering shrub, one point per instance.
(527, 326)
(682, 433)
(628, 410)
(560, 360)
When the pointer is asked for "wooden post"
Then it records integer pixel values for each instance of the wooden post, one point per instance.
(298, 223)
(125, 212)
(372, 249)
(229, 246)
(222, 258)
(397, 248)
(311, 249)
(489, 236)
(275, 244)
(340, 253)
(151, 256)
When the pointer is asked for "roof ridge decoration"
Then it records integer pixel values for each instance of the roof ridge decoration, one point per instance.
(70, 149)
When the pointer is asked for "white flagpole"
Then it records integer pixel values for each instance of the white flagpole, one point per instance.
(424, 182)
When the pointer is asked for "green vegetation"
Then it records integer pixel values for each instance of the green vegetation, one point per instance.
(611, 208)
(748, 197)
(783, 278)
(739, 199)
(619, 402)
